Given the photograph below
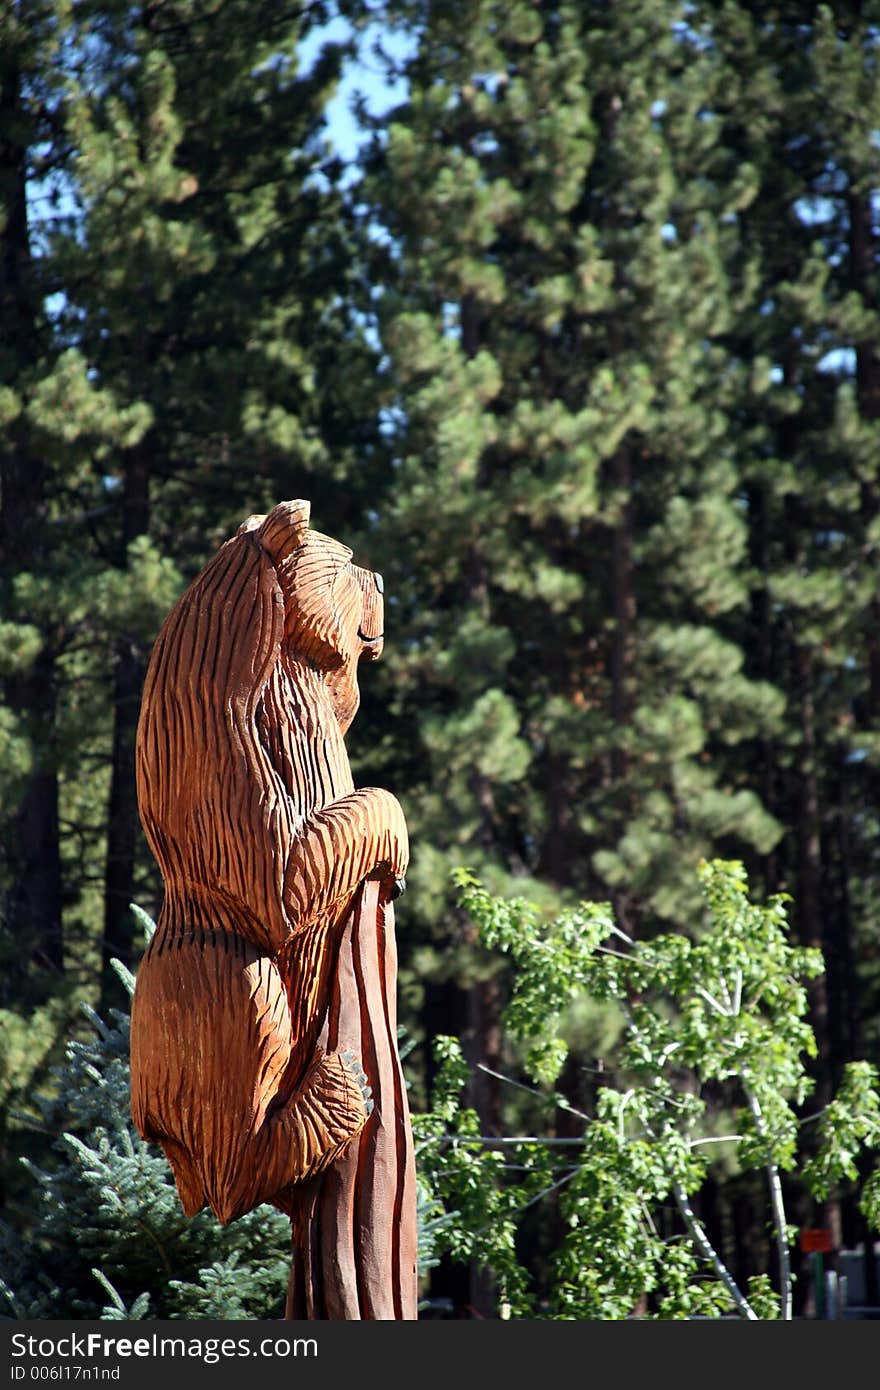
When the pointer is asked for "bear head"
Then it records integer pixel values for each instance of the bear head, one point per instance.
(333, 609)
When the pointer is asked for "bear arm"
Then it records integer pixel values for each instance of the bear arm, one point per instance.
(339, 846)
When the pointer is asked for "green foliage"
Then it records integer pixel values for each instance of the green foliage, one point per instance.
(582, 354)
(463, 1171)
(106, 1219)
(849, 1122)
(106, 1215)
(25, 1044)
(566, 539)
(711, 1023)
(550, 961)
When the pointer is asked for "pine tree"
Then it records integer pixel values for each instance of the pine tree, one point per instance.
(563, 278)
(50, 418)
(802, 109)
(208, 362)
(631, 320)
(569, 553)
(731, 520)
(200, 360)
(108, 1238)
(29, 150)
(205, 275)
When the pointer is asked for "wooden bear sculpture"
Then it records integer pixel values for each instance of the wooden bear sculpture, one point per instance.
(251, 1010)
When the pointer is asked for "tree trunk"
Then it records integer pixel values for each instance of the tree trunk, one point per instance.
(814, 928)
(354, 1227)
(34, 893)
(122, 811)
(762, 648)
(33, 919)
(844, 1018)
(624, 606)
(623, 600)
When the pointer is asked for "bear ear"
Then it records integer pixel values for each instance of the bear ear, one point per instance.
(284, 528)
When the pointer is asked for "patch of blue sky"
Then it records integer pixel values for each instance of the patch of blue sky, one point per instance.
(815, 209)
(365, 78)
(840, 361)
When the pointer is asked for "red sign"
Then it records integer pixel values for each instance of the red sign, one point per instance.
(816, 1238)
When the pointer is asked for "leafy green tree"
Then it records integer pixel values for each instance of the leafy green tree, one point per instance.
(714, 1054)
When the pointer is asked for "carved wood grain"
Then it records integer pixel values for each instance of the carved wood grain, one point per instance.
(248, 804)
(355, 1238)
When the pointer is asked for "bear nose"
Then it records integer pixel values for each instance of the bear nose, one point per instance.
(380, 583)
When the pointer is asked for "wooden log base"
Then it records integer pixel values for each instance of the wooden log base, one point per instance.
(354, 1228)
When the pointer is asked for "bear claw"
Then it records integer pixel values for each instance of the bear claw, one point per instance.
(353, 1065)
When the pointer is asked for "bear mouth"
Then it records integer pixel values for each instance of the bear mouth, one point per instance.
(364, 638)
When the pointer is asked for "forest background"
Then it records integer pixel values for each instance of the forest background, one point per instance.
(580, 347)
